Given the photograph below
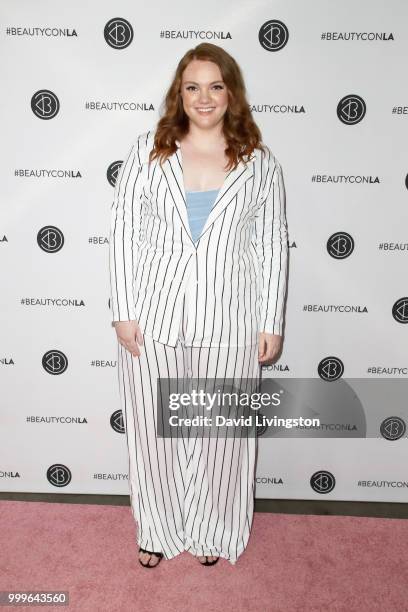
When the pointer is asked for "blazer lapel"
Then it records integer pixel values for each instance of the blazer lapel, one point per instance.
(173, 172)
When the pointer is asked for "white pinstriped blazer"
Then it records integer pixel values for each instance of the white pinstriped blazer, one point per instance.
(233, 278)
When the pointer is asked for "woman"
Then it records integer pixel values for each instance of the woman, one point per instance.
(198, 265)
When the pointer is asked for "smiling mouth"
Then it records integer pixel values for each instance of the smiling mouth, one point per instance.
(205, 109)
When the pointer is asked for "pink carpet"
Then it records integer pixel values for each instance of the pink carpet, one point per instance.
(292, 563)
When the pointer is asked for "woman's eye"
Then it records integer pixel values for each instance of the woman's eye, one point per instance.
(191, 87)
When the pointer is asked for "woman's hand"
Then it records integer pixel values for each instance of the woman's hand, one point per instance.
(269, 347)
(127, 333)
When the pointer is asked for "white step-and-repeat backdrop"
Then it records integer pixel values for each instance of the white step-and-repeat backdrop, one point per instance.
(327, 87)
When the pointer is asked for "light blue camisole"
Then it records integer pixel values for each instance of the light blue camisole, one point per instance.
(199, 204)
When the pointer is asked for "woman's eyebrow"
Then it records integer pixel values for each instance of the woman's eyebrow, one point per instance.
(195, 83)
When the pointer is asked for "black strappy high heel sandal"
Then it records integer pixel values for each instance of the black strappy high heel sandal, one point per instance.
(150, 552)
(207, 562)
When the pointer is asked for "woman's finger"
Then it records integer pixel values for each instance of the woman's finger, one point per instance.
(261, 350)
(139, 335)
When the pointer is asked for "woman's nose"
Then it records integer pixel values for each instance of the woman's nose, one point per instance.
(204, 95)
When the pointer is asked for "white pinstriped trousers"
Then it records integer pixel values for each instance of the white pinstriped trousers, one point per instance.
(187, 493)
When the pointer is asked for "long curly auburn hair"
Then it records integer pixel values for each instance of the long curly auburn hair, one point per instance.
(240, 130)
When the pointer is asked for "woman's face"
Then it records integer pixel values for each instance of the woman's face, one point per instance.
(202, 88)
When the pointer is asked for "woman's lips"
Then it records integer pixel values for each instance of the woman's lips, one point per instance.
(205, 110)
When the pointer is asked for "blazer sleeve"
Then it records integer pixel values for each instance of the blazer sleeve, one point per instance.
(124, 235)
(272, 247)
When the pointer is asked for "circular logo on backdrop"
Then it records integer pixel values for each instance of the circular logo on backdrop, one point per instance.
(45, 104)
(393, 428)
(117, 422)
(400, 310)
(59, 475)
(50, 239)
(273, 35)
(118, 33)
(54, 362)
(322, 481)
(113, 171)
(340, 245)
(330, 368)
(351, 109)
